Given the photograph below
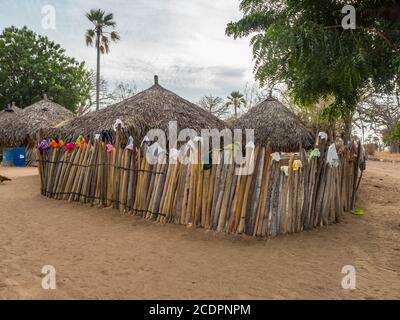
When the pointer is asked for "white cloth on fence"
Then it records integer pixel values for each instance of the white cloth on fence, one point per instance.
(145, 140)
(117, 123)
(323, 136)
(276, 156)
(154, 151)
(332, 157)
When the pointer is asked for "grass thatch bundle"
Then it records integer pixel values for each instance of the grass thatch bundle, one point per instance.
(44, 114)
(150, 109)
(275, 124)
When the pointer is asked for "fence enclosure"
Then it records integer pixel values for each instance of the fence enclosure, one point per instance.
(273, 200)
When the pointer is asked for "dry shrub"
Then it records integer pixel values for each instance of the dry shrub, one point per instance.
(370, 148)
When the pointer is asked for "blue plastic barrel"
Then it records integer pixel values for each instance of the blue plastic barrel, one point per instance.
(8, 157)
(19, 157)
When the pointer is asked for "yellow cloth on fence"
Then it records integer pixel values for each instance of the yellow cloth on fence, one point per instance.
(285, 170)
(297, 164)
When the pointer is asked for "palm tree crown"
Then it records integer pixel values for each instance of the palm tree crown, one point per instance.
(236, 99)
(101, 22)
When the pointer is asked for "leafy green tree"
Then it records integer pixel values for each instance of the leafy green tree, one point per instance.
(396, 133)
(102, 38)
(31, 65)
(394, 140)
(304, 44)
(236, 99)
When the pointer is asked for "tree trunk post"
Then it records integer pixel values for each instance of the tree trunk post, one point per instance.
(98, 73)
(346, 134)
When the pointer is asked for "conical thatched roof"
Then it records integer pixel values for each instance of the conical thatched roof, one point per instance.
(149, 109)
(10, 112)
(44, 114)
(8, 116)
(276, 124)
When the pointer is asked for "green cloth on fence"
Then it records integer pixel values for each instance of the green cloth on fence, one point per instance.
(315, 153)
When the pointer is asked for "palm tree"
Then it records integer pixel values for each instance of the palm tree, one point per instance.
(101, 22)
(236, 99)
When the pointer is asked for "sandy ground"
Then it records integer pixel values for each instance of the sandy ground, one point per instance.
(103, 254)
(387, 156)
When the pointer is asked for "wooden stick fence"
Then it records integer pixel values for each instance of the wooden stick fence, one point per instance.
(266, 203)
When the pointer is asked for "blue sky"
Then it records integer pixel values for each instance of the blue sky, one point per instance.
(183, 41)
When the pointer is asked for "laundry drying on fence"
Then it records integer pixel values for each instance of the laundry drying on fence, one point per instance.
(285, 193)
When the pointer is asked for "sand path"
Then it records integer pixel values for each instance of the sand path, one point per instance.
(103, 254)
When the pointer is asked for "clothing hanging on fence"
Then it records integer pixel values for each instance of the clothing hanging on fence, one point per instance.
(323, 136)
(315, 153)
(297, 164)
(276, 156)
(80, 141)
(106, 136)
(118, 123)
(129, 145)
(332, 157)
(285, 170)
(55, 145)
(145, 140)
(110, 148)
(154, 151)
(164, 194)
(43, 146)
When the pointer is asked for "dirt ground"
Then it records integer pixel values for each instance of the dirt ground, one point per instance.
(387, 156)
(102, 254)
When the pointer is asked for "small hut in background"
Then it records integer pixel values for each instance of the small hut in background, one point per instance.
(153, 108)
(20, 129)
(275, 124)
(9, 115)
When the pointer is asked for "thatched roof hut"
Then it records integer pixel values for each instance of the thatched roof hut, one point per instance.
(276, 124)
(7, 116)
(45, 114)
(149, 109)
(10, 112)
(10, 109)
